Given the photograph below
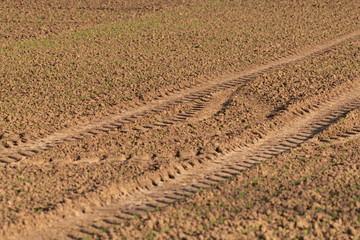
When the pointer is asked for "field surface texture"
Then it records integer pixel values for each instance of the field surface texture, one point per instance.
(180, 119)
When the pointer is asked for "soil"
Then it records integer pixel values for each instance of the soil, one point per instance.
(27, 19)
(141, 120)
(310, 192)
(52, 83)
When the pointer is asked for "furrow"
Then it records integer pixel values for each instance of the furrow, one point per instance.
(193, 177)
(189, 94)
(345, 136)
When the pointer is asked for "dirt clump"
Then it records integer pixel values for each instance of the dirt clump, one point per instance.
(59, 74)
(28, 20)
(310, 192)
(102, 162)
(80, 75)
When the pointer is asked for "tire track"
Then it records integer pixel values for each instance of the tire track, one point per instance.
(16, 151)
(345, 136)
(185, 179)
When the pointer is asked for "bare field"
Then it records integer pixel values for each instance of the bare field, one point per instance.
(79, 75)
(28, 19)
(311, 192)
(179, 119)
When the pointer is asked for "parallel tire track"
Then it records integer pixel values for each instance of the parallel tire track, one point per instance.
(347, 135)
(187, 178)
(16, 151)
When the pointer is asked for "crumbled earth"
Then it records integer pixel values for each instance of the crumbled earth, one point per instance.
(53, 82)
(311, 192)
(74, 63)
(25, 20)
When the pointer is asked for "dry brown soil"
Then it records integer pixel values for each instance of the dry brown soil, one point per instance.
(179, 119)
(311, 192)
(53, 82)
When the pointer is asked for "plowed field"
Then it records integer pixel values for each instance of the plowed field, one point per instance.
(179, 119)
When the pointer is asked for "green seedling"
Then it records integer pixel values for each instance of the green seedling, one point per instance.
(242, 194)
(150, 236)
(37, 210)
(250, 204)
(318, 209)
(166, 229)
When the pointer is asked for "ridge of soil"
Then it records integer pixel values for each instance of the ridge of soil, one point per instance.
(66, 79)
(309, 192)
(241, 114)
(187, 179)
(245, 117)
(14, 151)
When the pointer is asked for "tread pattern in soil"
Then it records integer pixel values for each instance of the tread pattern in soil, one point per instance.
(15, 151)
(186, 179)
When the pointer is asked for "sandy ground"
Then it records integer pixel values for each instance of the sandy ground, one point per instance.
(108, 107)
(311, 192)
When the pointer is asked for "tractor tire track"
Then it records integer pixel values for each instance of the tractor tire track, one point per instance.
(344, 136)
(185, 179)
(16, 151)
